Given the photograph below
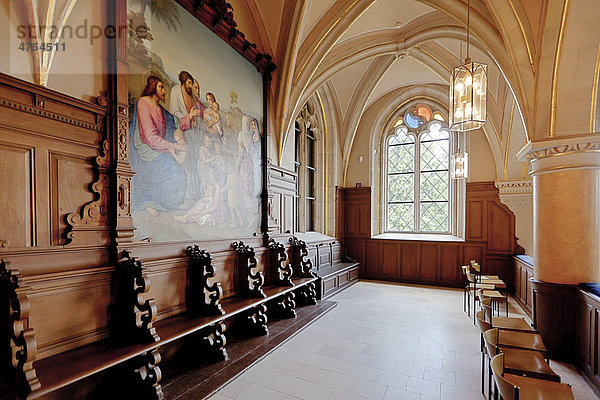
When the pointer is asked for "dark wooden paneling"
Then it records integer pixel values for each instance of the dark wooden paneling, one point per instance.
(364, 211)
(450, 263)
(372, 258)
(500, 236)
(409, 267)
(588, 335)
(329, 284)
(351, 220)
(428, 261)
(474, 252)
(555, 316)
(343, 278)
(476, 223)
(355, 248)
(585, 346)
(498, 265)
(16, 183)
(389, 259)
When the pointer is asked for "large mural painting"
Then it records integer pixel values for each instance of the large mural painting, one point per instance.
(195, 136)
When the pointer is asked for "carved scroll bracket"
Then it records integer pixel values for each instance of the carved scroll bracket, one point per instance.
(93, 214)
(278, 273)
(137, 315)
(301, 265)
(248, 283)
(203, 297)
(214, 342)
(307, 294)
(149, 376)
(15, 330)
(283, 306)
(254, 321)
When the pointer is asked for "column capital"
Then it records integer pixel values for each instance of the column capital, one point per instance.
(564, 153)
(515, 194)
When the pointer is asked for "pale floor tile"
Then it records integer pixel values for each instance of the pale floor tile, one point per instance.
(382, 341)
(340, 395)
(385, 364)
(400, 394)
(369, 389)
(426, 388)
(392, 379)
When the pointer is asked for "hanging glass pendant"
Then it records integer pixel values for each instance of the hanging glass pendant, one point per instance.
(468, 89)
(459, 163)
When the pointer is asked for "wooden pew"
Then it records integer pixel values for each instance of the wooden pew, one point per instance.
(137, 338)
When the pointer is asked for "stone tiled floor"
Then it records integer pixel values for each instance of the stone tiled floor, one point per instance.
(382, 341)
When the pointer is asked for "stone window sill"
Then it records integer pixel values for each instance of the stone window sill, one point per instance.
(430, 237)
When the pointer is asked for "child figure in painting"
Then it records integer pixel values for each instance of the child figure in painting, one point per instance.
(211, 209)
(180, 155)
(213, 119)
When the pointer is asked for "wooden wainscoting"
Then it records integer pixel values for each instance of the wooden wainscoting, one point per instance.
(489, 239)
(522, 290)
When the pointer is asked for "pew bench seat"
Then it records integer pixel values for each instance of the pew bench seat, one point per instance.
(60, 370)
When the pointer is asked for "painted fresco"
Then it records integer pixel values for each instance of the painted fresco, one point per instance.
(194, 139)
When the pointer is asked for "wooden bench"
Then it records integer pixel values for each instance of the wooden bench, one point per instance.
(137, 336)
(335, 270)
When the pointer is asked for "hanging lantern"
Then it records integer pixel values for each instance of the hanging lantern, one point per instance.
(459, 163)
(468, 89)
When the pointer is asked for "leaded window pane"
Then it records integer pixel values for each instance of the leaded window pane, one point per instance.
(434, 217)
(401, 217)
(401, 158)
(434, 155)
(401, 188)
(435, 131)
(418, 182)
(434, 186)
(401, 136)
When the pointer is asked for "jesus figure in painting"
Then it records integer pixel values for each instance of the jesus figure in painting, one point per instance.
(159, 182)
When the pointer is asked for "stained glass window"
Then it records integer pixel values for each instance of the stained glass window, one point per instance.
(418, 180)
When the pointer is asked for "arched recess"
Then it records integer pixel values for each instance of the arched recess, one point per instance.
(435, 96)
(312, 118)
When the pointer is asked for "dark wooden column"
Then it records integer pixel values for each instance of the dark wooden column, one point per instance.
(118, 125)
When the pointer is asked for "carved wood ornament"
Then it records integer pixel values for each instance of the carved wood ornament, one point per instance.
(214, 341)
(278, 273)
(301, 265)
(284, 306)
(199, 288)
(15, 331)
(93, 214)
(255, 321)
(149, 376)
(138, 315)
(248, 283)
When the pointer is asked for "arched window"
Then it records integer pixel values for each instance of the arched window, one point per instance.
(419, 188)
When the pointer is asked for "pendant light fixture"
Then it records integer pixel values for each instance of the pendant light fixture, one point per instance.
(468, 90)
(460, 165)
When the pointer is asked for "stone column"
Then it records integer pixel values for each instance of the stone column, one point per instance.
(566, 195)
(566, 232)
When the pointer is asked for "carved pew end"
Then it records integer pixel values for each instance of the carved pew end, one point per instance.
(214, 341)
(283, 306)
(253, 322)
(307, 295)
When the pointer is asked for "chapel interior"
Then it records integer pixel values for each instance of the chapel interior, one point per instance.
(251, 199)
